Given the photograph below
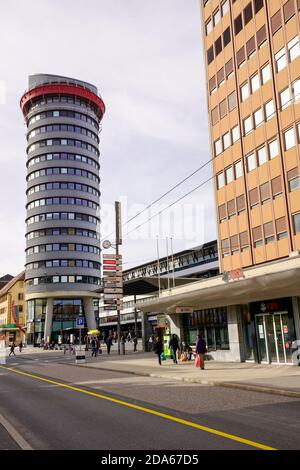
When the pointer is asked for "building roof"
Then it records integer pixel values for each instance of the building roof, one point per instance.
(4, 280)
(10, 284)
(46, 78)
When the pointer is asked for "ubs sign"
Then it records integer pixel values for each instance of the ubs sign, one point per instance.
(271, 306)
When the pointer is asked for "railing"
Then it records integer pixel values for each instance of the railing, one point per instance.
(114, 318)
(181, 262)
(147, 299)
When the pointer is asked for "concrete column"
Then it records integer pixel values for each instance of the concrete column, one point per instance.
(89, 313)
(48, 320)
(296, 309)
(175, 325)
(235, 333)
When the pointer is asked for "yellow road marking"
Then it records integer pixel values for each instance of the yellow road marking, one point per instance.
(146, 410)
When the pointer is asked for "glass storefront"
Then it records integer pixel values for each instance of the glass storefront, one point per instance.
(36, 313)
(211, 324)
(273, 324)
(65, 312)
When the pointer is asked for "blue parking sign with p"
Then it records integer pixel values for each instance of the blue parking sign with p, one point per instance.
(79, 321)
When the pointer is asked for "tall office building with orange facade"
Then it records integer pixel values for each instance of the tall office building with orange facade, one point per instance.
(252, 57)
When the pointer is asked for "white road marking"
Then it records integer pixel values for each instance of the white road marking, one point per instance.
(24, 445)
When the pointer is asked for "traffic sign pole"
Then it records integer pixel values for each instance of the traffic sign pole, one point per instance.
(118, 242)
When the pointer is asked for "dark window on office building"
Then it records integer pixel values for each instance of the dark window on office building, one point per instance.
(238, 24)
(248, 14)
(218, 46)
(210, 54)
(226, 37)
(258, 4)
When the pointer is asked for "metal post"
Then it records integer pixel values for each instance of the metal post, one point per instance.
(118, 242)
(172, 255)
(158, 265)
(118, 314)
(168, 267)
(135, 316)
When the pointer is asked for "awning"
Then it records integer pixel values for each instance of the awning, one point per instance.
(268, 281)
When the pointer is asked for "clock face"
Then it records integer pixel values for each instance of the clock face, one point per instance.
(106, 244)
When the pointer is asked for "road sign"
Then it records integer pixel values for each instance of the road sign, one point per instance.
(80, 322)
(106, 256)
(113, 296)
(113, 285)
(111, 268)
(109, 290)
(113, 275)
(109, 261)
(110, 301)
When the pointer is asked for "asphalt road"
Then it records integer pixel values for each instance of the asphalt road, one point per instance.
(49, 416)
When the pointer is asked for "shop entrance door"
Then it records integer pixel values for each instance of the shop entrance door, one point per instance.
(273, 338)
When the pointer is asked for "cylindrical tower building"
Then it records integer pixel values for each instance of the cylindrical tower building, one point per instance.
(63, 117)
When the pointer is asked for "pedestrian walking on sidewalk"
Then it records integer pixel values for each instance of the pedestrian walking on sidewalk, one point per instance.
(12, 349)
(174, 345)
(123, 342)
(20, 346)
(158, 349)
(201, 350)
(94, 347)
(109, 342)
(135, 343)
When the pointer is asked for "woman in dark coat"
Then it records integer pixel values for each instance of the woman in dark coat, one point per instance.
(158, 349)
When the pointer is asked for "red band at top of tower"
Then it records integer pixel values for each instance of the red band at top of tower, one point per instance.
(62, 89)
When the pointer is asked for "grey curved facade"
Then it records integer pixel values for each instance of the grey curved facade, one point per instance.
(63, 118)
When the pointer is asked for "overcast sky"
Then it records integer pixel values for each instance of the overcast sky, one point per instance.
(146, 60)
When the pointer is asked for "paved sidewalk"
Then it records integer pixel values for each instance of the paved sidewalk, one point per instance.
(279, 379)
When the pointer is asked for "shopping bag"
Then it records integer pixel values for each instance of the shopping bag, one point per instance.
(197, 361)
(163, 356)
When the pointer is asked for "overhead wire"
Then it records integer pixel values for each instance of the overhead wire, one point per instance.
(164, 195)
